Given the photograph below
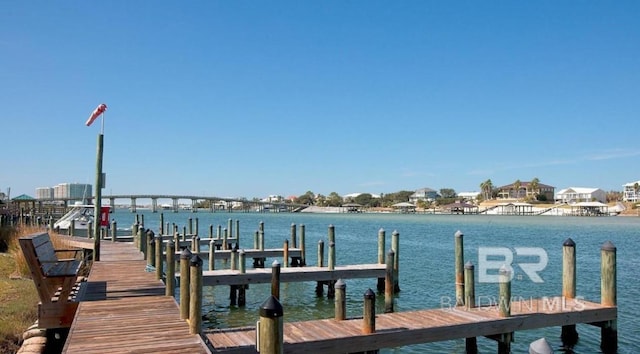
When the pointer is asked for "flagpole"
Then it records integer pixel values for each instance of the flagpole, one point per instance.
(98, 195)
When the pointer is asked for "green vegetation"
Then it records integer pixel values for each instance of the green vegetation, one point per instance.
(18, 294)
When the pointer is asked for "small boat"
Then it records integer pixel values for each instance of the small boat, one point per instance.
(80, 214)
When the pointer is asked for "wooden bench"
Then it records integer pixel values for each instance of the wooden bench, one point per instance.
(54, 279)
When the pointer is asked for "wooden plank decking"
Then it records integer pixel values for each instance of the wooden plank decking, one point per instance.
(415, 327)
(124, 310)
(291, 274)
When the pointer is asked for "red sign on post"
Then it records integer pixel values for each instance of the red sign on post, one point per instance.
(104, 216)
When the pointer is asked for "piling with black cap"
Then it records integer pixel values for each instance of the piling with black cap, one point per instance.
(171, 269)
(195, 298)
(569, 334)
(275, 279)
(271, 327)
(185, 257)
(369, 312)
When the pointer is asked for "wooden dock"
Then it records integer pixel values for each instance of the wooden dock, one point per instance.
(415, 327)
(124, 309)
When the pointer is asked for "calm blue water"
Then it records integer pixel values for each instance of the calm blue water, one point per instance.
(427, 265)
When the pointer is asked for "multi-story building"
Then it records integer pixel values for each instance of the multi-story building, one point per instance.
(44, 193)
(631, 192)
(77, 191)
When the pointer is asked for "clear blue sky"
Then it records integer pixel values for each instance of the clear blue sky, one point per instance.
(251, 98)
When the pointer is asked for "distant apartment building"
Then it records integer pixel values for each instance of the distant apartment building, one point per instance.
(631, 192)
(74, 191)
(44, 193)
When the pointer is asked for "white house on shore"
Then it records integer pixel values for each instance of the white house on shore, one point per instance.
(470, 196)
(631, 192)
(425, 194)
(579, 194)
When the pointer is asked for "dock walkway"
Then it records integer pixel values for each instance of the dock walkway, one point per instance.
(416, 327)
(124, 309)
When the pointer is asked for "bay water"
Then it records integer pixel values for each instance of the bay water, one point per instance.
(427, 278)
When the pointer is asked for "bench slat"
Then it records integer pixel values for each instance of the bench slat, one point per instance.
(61, 269)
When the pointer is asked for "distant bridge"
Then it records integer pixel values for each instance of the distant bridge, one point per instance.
(215, 203)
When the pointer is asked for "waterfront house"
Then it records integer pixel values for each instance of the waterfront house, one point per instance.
(525, 190)
(424, 194)
(469, 196)
(631, 192)
(578, 194)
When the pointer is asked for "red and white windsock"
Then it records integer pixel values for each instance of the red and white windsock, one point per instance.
(96, 113)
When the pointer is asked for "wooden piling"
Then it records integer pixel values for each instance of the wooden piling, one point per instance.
(459, 267)
(256, 240)
(185, 257)
(197, 227)
(184, 233)
(261, 239)
(471, 343)
(151, 257)
(190, 223)
(285, 254)
(369, 312)
(331, 234)
(212, 251)
(225, 236)
(270, 329)
(504, 300)
(320, 284)
(162, 224)
(195, 298)
(332, 256)
(340, 302)
(395, 246)
(569, 334)
(608, 296)
(469, 285)
(211, 231)
(234, 254)
(504, 308)
(171, 269)
(237, 231)
(230, 228)
(193, 244)
(381, 257)
(303, 255)
(275, 279)
(241, 262)
(134, 233)
(294, 241)
(159, 249)
(389, 283)
(114, 231)
(142, 236)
